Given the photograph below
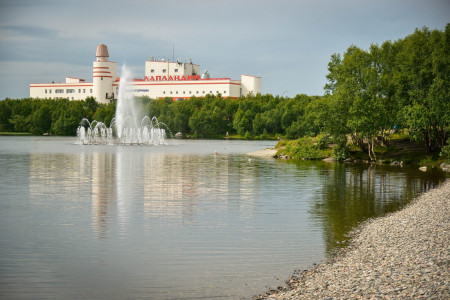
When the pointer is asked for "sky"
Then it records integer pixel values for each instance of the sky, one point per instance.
(287, 43)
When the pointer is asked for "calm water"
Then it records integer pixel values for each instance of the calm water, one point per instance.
(176, 221)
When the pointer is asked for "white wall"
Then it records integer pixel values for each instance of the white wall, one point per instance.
(72, 91)
(165, 68)
(250, 84)
(103, 76)
(186, 89)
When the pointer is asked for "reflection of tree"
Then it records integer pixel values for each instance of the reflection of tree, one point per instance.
(352, 194)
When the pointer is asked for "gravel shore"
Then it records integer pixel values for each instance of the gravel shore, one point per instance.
(404, 255)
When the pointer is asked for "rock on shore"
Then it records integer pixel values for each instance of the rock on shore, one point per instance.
(404, 255)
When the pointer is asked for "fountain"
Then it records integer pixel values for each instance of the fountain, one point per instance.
(128, 127)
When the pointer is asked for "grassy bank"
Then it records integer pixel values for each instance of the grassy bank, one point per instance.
(14, 133)
(399, 150)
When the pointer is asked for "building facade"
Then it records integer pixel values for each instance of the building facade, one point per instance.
(163, 79)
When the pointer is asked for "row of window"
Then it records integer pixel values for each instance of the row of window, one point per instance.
(68, 91)
(73, 98)
(164, 70)
(196, 92)
(71, 91)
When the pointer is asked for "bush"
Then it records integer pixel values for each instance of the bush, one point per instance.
(445, 151)
(340, 152)
(323, 140)
(305, 148)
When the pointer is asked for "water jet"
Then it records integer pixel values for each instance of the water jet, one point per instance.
(128, 127)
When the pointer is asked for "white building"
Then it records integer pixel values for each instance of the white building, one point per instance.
(176, 80)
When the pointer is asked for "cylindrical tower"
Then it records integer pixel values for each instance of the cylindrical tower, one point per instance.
(103, 76)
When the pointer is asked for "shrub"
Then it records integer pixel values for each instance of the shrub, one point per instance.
(445, 151)
(340, 152)
(305, 148)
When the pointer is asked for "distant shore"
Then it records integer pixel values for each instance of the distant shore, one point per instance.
(404, 255)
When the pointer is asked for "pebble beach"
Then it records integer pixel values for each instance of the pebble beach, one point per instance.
(403, 255)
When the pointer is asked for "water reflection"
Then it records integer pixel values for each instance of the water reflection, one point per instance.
(177, 222)
(351, 194)
(172, 186)
(103, 190)
(169, 186)
(125, 185)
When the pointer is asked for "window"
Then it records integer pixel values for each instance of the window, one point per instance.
(176, 70)
(184, 92)
(101, 78)
(164, 70)
(203, 92)
(91, 91)
(164, 92)
(224, 92)
(197, 92)
(84, 91)
(59, 91)
(50, 91)
(46, 91)
(176, 92)
(70, 91)
(152, 71)
(79, 90)
(171, 92)
(190, 92)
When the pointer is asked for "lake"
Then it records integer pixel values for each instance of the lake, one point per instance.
(191, 219)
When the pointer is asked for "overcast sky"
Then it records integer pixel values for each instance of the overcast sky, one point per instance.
(287, 43)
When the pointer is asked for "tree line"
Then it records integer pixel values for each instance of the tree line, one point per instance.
(54, 116)
(368, 95)
(255, 116)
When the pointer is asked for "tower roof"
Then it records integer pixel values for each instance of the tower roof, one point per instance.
(102, 51)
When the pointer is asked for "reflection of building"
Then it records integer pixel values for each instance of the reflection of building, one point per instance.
(123, 185)
(171, 188)
(103, 190)
(163, 78)
(50, 174)
(179, 185)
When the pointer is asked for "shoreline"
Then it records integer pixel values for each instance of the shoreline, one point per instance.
(402, 255)
(264, 153)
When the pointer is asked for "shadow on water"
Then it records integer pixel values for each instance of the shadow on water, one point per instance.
(353, 193)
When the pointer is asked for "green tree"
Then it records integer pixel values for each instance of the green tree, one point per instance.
(105, 113)
(200, 123)
(5, 115)
(243, 119)
(20, 123)
(41, 120)
(182, 111)
(423, 80)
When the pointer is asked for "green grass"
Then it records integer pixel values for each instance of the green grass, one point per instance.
(14, 133)
(400, 148)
